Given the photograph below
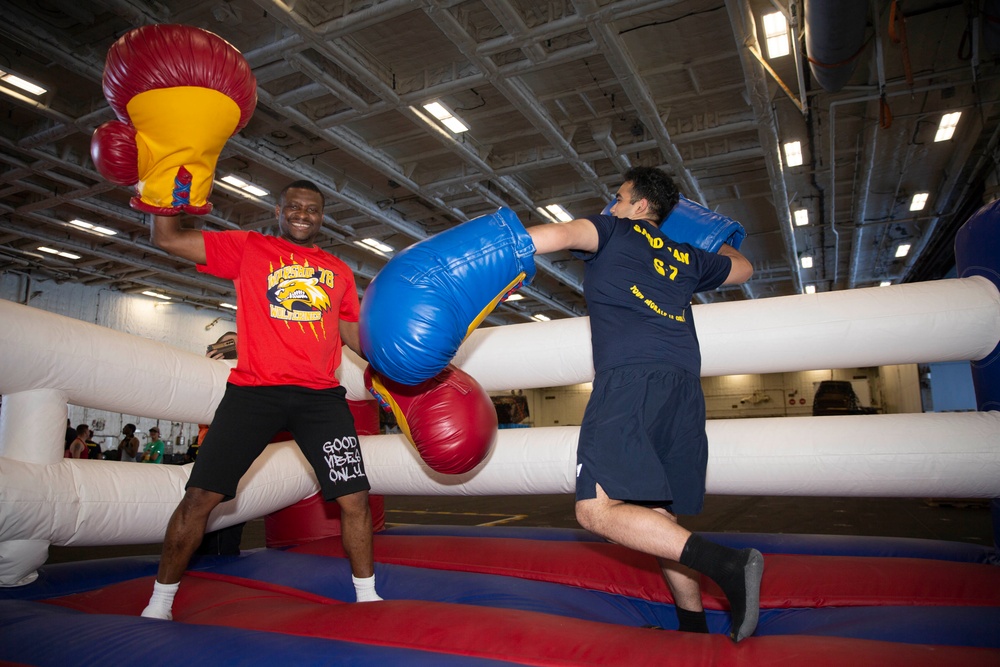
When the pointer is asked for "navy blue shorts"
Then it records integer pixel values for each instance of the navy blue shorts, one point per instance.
(643, 438)
(247, 419)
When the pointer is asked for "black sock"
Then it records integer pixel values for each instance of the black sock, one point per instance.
(692, 621)
(737, 572)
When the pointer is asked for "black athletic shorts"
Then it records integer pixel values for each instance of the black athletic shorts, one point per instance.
(247, 419)
(643, 438)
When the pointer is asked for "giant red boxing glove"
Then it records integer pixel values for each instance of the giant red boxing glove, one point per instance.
(449, 419)
(179, 93)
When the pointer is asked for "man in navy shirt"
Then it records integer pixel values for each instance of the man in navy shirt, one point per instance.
(643, 450)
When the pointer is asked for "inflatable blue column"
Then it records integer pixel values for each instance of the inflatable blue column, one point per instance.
(977, 253)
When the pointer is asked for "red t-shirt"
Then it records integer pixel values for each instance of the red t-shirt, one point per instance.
(290, 300)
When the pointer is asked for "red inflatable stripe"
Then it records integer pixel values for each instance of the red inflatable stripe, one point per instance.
(789, 580)
(522, 637)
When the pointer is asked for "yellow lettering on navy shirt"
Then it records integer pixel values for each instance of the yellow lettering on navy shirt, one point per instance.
(653, 306)
(654, 241)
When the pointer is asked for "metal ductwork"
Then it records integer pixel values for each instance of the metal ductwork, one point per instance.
(835, 39)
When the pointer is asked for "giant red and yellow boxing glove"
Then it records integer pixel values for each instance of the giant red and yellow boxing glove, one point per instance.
(179, 93)
(449, 419)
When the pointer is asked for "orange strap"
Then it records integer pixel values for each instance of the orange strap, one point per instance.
(884, 114)
(898, 36)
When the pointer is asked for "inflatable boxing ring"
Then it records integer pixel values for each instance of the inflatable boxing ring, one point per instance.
(474, 596)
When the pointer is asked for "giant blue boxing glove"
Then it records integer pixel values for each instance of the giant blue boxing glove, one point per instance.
(422, 304)
(696, 225)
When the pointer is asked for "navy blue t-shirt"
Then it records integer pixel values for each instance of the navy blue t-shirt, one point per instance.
(638, 287)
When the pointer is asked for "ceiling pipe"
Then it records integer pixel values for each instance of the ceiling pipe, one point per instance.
(640, 97)
(833, 163)
(601, 132)
(205, 283)
(744, 28)
(835, 39)
(516, 92)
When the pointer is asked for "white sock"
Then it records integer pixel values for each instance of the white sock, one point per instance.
(161, 602)
(365, 589)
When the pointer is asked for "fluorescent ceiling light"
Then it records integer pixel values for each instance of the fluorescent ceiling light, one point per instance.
(560, 214)
(545, 214)
(157, 295)
(810, 289)
(446, 116)
(903, 250)
(228, 305)
(371, 248)
(885, 283)
(776, 34)
(793, 153)
(946, 128)
(59, 253)
(801, 217)
(919, 201)
(514, 297)
(254, 190)
(378, 245)
(21, 83)
(83, 224)
(538, 317)
(240, 184)
(807, 262)
(455, 125)
(437, 110)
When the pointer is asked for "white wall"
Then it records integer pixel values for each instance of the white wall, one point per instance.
(758, 395)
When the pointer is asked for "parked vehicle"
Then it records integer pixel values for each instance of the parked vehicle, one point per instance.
(837, 397)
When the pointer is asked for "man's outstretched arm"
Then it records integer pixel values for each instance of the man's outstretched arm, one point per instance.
(579, 234)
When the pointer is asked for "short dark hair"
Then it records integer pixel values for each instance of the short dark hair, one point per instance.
(81, 429)
(301, 185)
(656, 187)
(228, 333)
(129, 427)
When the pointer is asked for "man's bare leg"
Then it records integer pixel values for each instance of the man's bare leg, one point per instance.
(356, 536)
(738, 572)
(184, 533)
(685, 586)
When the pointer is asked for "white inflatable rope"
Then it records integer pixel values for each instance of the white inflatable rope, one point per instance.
(47, 361)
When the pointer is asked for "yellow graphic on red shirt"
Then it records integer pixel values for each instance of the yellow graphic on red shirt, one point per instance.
(296, 293)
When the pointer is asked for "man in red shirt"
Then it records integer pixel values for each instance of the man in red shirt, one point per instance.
(296, 306)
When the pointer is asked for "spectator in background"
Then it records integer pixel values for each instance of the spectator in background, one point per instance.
(93, 448)
(78, 448)
(224, 348)
(128, 448)
(153, 452)
(70, 435)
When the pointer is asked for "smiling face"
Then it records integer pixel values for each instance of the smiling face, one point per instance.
(300, 215)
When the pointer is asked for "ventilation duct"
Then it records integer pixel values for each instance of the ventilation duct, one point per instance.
(835, 39)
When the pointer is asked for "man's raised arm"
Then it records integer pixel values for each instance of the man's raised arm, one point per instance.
(167, 234)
